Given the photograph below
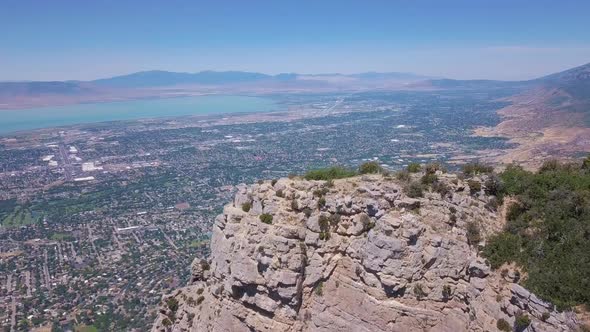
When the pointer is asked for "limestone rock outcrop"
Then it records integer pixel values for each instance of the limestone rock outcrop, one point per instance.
(353, 255)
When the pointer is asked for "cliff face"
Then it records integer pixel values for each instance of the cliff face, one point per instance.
(358, 255)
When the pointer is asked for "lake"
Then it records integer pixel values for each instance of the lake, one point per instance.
(47, 117)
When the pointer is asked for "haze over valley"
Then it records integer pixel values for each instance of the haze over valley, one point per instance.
(313, 167)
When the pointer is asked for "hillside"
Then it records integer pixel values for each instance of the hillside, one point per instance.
(552, 118)
(356, 254)
(575, 81)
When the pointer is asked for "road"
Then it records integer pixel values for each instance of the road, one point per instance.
(66, 162)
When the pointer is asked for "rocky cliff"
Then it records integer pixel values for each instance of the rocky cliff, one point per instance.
(357, 254)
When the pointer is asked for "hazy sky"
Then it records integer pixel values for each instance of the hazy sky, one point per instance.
(497, 39)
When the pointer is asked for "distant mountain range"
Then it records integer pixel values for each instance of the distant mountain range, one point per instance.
(158, 78)
(158, 83)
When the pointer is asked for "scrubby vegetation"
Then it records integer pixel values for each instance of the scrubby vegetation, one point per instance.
(337, 172)
(172, 304)
(476, 168)
(330, 173)
(474, 186)
(441, 188)
(246, 207)
(266, 218)
(324, 223)
(403, 176)
(371, 167)
(414, 189)
(413, 168)
(319, 289)
(429, 178)
(432, 168)
(521, 322)
(503, 325)
(548, 230)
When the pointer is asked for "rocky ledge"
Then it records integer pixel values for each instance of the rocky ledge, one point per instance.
(355, 254)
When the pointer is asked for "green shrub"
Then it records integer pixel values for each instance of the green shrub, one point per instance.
(324, 223)
(172, 304)
(319, 289)
(493, 186)
(431, 168)
(330, 173)
(474, 186)
(503, 325)
(441, 188)
(514, 211)
(246, 207)
(266, 218)
(166, 322)
(320, 192)
(413, 167)
(476, 168)
(371, 167)
(429, 178)
(280, 193)
(414, 190)
(550, 166)
(403, 176)
(492, 204)
(501, 248)
(205, 266)
(273, 182)
(335, 219)
(321, 202)
(521, 322)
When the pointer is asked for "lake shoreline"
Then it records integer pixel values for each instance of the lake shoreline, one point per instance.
(24, 120)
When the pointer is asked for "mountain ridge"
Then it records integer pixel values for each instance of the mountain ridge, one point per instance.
(157, 83)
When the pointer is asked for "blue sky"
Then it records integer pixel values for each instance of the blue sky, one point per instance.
(497, 39)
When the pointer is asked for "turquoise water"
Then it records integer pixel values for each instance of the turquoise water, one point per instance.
(46, 117)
